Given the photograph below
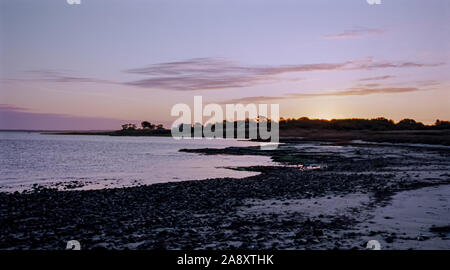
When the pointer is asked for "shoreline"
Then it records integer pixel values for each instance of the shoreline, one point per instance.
(220, 213)
(139, 132)
(198, 214)
(432, 137)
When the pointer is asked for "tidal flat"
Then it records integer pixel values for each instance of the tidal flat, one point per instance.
(318, 195)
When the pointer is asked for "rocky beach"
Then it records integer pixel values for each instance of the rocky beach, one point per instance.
(320, 195)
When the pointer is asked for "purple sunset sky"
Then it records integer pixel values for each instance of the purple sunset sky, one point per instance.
(104, 62)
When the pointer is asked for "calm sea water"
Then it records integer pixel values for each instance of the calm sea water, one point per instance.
(28, 158)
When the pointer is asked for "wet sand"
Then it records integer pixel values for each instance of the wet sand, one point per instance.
(321, 196)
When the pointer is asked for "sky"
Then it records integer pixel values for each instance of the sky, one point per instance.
(106, 62)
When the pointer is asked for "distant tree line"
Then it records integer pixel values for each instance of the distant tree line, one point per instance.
(144, 124)
(380, 123)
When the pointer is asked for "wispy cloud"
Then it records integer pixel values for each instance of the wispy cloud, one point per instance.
(201, 74)
(11, 108)
(62, 77)
(377, 78)
(216, 73)
(361, 92)
(369, 85)
(13, 117)
(355, 33)
(213, 73)
(357, 91)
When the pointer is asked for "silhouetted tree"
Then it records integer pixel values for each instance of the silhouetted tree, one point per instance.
(129, 126)
(147, 125)
(409, 124)
(439, 124)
